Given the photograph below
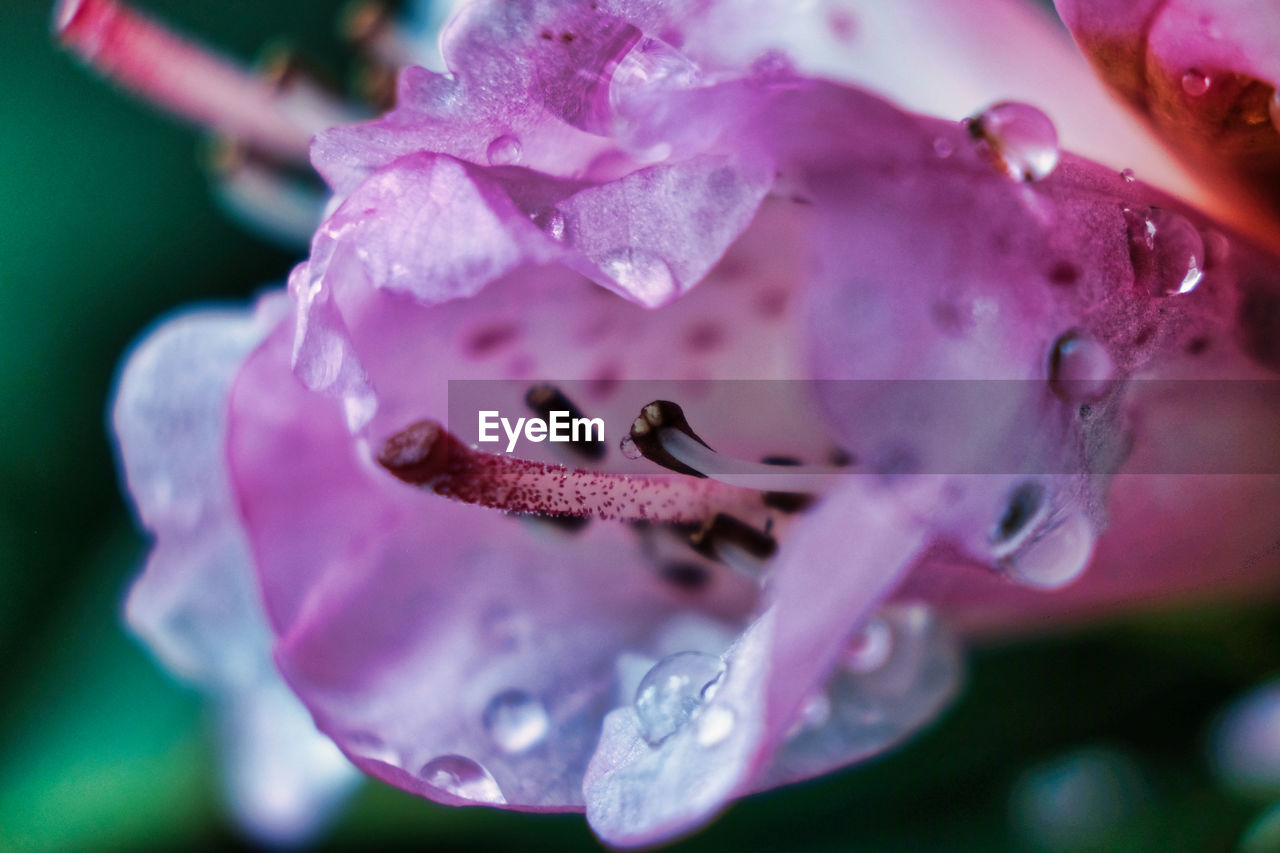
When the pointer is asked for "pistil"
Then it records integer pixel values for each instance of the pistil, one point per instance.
(430, 457)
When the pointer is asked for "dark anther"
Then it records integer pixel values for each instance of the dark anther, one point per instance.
(686, 575)
(727, 530)
(545, 399)
(655, 417)
(788, 502)
(1024, 504)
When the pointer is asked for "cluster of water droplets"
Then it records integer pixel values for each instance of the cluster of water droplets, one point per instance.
(1167, 251)
(893, 675)
(1018, 138)
(676, 691)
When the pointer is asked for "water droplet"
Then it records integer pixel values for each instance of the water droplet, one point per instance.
(1274, 108)
(515, 720)
(462, 777)
(1055, 557)
(870, 647)
(943, 147)
(1079, 368)
(641, 273)
(674, 691)
(1020, 139)
(652, 63)
(629, 449)
(504, 151)
(1166, 249)
(551, 221)
(714, 725)
(1128, 175)
(1195, 83)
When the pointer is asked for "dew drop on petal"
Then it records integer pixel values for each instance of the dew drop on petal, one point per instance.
(1079, 368)
(640, 273)
(627, 447)
(651, 64)
(504, 151)
(551, 221)
(1195, 83)
(943, 147)
(714, 725)
(1055, 557)
(870, 647)
(674, 691)
(1020, 139)
(1274, 107)
(1166, 249)
(1128, 175)
(462, 777)
(515, 720)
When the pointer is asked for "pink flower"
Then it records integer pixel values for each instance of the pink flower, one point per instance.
(616, 196)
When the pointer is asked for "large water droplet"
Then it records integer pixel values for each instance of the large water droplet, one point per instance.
(515, 720)
(1166, 249)
(1274, 108)
(1057, 556)
(504, 151)
(462, 777)
(1020, 139)
(674, 691)
(651, 64)
(1080, 368)
(1128, 175)
(641, 273)
(1195, 83)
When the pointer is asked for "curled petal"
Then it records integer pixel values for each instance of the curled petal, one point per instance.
(1203, 74)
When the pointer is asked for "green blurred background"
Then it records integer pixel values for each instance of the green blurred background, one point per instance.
(106, 224)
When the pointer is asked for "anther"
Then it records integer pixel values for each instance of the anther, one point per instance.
(545, 399)
(270, 197)
(662, 435)
(427, 455)
(788, 502)
(656, 419)
(686, 575)
(734, 543)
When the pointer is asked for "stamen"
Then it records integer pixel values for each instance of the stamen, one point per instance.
(370, 25)
(183, 77)
(545, 399)
(788, 502)
(264, 195)
(735, 543)
(663, 435)
(427, 455)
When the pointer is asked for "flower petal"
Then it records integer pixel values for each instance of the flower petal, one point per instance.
(1203, 73)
